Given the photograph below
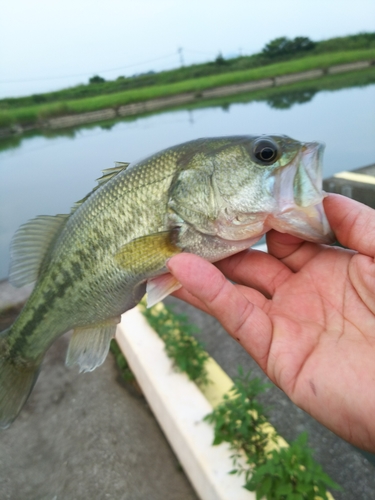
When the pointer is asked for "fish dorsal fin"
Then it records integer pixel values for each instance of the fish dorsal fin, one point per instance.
(108, 174)
(30, 246)
(89, 346)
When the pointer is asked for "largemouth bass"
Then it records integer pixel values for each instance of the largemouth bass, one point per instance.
(212, 197)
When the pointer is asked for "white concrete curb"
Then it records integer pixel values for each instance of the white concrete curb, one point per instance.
(179, 406)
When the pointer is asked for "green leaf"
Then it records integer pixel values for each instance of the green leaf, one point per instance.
(284, 489)
(265, 486)
(295, 496)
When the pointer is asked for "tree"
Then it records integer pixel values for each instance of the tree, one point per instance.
(283, 46)
(220, 61)
(96, 79)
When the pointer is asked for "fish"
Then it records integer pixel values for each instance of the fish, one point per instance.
(212, 197)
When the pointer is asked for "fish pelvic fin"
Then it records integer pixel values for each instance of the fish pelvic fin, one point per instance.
(89, 345)
(17, 379)
(160, 287)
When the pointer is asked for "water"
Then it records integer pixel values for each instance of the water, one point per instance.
(47, 175)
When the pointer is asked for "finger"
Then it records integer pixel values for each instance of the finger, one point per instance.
(255, 269)
(352, 222)
(243, 320)
(292, 251)
(281, 245)
(253, 296)
(186, 296)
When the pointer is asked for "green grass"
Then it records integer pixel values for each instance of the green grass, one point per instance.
(41, 112)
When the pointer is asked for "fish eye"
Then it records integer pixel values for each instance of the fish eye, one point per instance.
(266, 151)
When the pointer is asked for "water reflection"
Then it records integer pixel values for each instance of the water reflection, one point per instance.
(46, 174)
(288, 99)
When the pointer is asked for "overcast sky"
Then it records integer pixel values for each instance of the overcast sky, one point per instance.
(50, 44)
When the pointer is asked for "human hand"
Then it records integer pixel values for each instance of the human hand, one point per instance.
(306, 314)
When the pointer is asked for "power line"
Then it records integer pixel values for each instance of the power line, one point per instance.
(193, 51)
(88, 72)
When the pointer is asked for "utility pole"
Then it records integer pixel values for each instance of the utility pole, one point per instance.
(180, 52)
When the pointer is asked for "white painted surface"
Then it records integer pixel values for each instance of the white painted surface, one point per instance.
(179, 407)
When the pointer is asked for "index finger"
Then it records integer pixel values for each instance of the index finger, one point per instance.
(352, 222)
(241, 318)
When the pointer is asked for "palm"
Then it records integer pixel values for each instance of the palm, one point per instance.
(305, 313)
(322, 332)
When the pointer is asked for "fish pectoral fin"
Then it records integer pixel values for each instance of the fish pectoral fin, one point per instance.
(158, 288)
(147, 254)
(89, 345)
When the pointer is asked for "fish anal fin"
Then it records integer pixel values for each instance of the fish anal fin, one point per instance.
(147, 254)
(160, 287)
(89, 346)
(30, 247)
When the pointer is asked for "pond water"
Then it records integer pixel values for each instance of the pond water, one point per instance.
(47, 175)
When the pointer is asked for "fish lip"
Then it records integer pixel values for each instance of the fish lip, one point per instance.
(312, 161)
(299, 195)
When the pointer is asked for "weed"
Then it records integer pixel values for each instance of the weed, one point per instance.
(291, 474)
(240, 420)
(181, 346)
(288, 473)
(122, 363)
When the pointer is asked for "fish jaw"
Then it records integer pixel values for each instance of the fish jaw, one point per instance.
(310, 224)
(297, 188)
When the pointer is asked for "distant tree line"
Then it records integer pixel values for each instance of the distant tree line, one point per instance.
(284, 46)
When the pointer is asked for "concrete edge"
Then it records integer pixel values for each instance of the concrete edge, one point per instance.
(355, 177)
(179, 406)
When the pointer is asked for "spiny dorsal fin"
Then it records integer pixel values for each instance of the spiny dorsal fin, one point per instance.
(108, 174)
(89, 346)
(30, 247)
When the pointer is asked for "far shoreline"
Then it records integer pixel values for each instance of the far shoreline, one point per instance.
(182, 99)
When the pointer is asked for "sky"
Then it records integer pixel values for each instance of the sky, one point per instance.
(48, 45)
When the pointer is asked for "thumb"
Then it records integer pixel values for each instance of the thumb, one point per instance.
(352, 222)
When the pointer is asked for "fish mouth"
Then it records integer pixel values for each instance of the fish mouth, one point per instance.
(299, 196)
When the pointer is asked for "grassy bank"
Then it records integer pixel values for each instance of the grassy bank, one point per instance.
(40, 112)
(294, 93)
(277, 97)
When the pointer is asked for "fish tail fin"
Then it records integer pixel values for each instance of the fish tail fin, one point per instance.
(17, 378)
